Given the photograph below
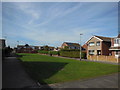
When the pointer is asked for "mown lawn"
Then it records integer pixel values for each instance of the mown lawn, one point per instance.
(48, 70)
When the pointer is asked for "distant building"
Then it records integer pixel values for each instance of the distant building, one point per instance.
(70, 45)
(46, 47)
(2, 43)
(27, 49)
(57, 49)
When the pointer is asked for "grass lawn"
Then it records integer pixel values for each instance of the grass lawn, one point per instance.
(48, 70)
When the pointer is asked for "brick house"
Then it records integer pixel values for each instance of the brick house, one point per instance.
(98, 45)
(115, 46)
(70, 45)
(27, 49)
(46, 47)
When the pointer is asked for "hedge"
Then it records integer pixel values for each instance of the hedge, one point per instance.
(49, 52)
(54, 52)
(43, 52)
(72, 54)
(65, 53)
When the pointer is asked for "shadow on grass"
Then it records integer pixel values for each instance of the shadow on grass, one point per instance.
(40, 71)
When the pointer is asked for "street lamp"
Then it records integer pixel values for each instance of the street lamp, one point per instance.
(18, 42)
(80, 45)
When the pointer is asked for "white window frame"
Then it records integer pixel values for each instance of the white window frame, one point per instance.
(91, 43)
(98, 43)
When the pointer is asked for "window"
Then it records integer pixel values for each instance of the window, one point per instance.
(91, 52)
(117, 41)
(98, 44)
(91, 43)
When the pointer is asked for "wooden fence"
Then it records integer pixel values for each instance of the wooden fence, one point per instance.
(103, 58)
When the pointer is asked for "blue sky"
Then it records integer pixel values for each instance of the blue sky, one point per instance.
(52, 23)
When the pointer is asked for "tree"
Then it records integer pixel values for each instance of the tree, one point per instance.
(46, 48)
(66, 47)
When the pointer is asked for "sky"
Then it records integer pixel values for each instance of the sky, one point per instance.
(52, 23)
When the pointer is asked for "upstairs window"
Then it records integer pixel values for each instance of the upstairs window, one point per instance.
(117, 41)
(91, 43)
(97, 43)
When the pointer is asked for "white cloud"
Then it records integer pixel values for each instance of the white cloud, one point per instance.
(57, 11)
(30, 10)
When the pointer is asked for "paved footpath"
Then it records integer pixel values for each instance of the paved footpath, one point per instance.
(14, 75)
(107, 81)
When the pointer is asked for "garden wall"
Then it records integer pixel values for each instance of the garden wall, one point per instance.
(103, 58)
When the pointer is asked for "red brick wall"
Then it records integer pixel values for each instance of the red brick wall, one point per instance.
(85, 47)
(105, 48)
(112, 42)
(113, 53)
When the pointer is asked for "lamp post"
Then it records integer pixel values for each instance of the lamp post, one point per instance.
(18, 42)
(80, 45)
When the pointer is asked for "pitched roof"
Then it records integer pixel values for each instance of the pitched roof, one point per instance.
(72, 44)
(108, 39)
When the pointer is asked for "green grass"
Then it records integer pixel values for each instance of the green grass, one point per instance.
(48, 70)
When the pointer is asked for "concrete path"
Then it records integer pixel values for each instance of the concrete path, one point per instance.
(14, 75)
(108, 81)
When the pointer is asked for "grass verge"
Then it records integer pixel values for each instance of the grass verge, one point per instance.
(49, 70)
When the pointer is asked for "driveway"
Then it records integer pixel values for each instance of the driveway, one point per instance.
(14, 75)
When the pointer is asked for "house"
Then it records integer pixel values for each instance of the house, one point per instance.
(85, 47)
(46, 47)
(115, 46)
(27, 49)
(70, 45)
(57, 49)
(98, 45)
(2, 43)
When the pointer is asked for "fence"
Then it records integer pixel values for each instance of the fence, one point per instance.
(103, 58)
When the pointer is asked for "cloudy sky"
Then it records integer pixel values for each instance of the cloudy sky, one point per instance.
(52, 23)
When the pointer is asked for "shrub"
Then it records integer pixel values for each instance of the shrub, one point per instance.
(43, 52)
(72, 53)
(54, 52)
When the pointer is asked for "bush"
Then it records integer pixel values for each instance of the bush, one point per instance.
(54, 52)
(43, 52)
(49, 52)
(72, 53)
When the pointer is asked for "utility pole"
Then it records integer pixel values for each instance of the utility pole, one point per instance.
(80, 46)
